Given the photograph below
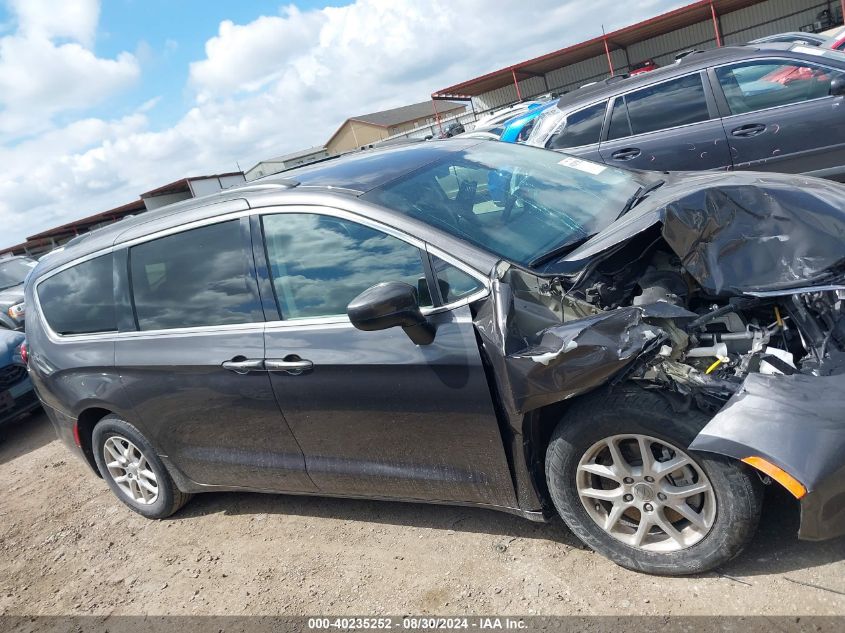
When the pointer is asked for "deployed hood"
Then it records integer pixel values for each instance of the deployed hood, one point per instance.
(742, 232)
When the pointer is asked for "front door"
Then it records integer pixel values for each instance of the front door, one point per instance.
(193, 370)
(780, 116)
(375, 414)
(669, 126)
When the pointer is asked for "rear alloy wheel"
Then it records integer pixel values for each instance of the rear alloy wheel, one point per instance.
(621, 476)
(132, 469)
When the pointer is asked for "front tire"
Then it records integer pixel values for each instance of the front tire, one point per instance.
(132, 469)
(622, 478)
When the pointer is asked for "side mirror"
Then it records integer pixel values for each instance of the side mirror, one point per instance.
(387, 305)
(837, 87)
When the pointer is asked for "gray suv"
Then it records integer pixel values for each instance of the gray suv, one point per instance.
(778, 108)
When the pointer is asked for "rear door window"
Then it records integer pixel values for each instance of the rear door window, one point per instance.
(758, 85)
(665, 105)
(199, 277)
(580, 128)
(80, 299)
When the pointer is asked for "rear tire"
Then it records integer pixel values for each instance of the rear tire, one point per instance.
(132, 469)
(609, 435)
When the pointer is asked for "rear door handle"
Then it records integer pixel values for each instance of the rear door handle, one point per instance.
(293, 365)
(626, 154)
(747, 131)
(241, 365)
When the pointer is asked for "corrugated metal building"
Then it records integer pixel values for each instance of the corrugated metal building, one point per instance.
(181, 189)
(699, 25)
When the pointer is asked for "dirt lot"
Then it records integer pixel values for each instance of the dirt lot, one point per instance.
(68, 547)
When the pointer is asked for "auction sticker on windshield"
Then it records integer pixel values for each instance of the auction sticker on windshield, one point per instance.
(582, 165)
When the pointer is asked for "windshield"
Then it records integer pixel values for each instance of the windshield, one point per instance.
(515, 201)
(14, 271)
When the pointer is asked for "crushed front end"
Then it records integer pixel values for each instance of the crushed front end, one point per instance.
(728, 298)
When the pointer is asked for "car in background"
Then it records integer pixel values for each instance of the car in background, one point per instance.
(13, 272)
(642, 67)
(774, 108)
(518, 129)
(792, 37)
(500, 116)
(836, 41)
(17, 397)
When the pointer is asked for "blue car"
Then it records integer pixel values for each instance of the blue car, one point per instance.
(519, 127)
(17, 397)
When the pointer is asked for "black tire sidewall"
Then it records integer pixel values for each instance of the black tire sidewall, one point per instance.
(111, 426)
(738, 491)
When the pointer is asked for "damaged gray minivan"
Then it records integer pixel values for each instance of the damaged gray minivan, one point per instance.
(474, 323)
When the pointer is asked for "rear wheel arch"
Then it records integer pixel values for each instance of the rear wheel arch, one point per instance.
(85, 423)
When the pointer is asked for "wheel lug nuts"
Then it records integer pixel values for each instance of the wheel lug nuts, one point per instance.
(649, 479)
(628, 498)
(628, 480)
(648, 507)
(661, 496)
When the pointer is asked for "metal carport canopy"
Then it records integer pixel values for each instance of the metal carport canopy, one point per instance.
(658, 25)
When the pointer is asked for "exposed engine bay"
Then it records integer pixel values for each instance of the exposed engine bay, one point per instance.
(713, 342)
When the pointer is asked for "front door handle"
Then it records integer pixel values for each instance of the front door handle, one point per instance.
(747, 131)
(626, 154)
(293, 365)
(241, 365)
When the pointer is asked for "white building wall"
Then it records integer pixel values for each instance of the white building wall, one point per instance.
(155, 202)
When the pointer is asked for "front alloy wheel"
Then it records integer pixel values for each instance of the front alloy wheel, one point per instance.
(646, 493)
(623, 480)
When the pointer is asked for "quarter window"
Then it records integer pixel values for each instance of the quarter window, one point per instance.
(580, 128)
(669, 104)
(454, 283)
(320, 263)
(80, 299)
(199, 277)
(766, 84)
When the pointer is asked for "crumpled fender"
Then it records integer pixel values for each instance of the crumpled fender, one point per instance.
(797, 423)
(546, 348)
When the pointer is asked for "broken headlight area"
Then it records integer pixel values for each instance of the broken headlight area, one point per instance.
(714, 342)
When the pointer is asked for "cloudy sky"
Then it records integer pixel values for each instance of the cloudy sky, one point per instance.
(101, 101)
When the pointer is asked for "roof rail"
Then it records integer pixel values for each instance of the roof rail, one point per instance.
(272, 183)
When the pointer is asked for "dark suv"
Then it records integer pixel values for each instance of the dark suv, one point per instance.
(773, 107)
(468, 322)
(13, 273)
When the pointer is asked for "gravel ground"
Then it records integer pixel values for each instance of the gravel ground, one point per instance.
(68, 547)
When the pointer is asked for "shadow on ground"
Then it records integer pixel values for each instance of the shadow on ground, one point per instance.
(25, 435)
(775, 548)
(417, 515)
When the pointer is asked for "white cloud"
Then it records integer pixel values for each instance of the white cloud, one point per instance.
(40, 78)
(47, 19)
(276, 84)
